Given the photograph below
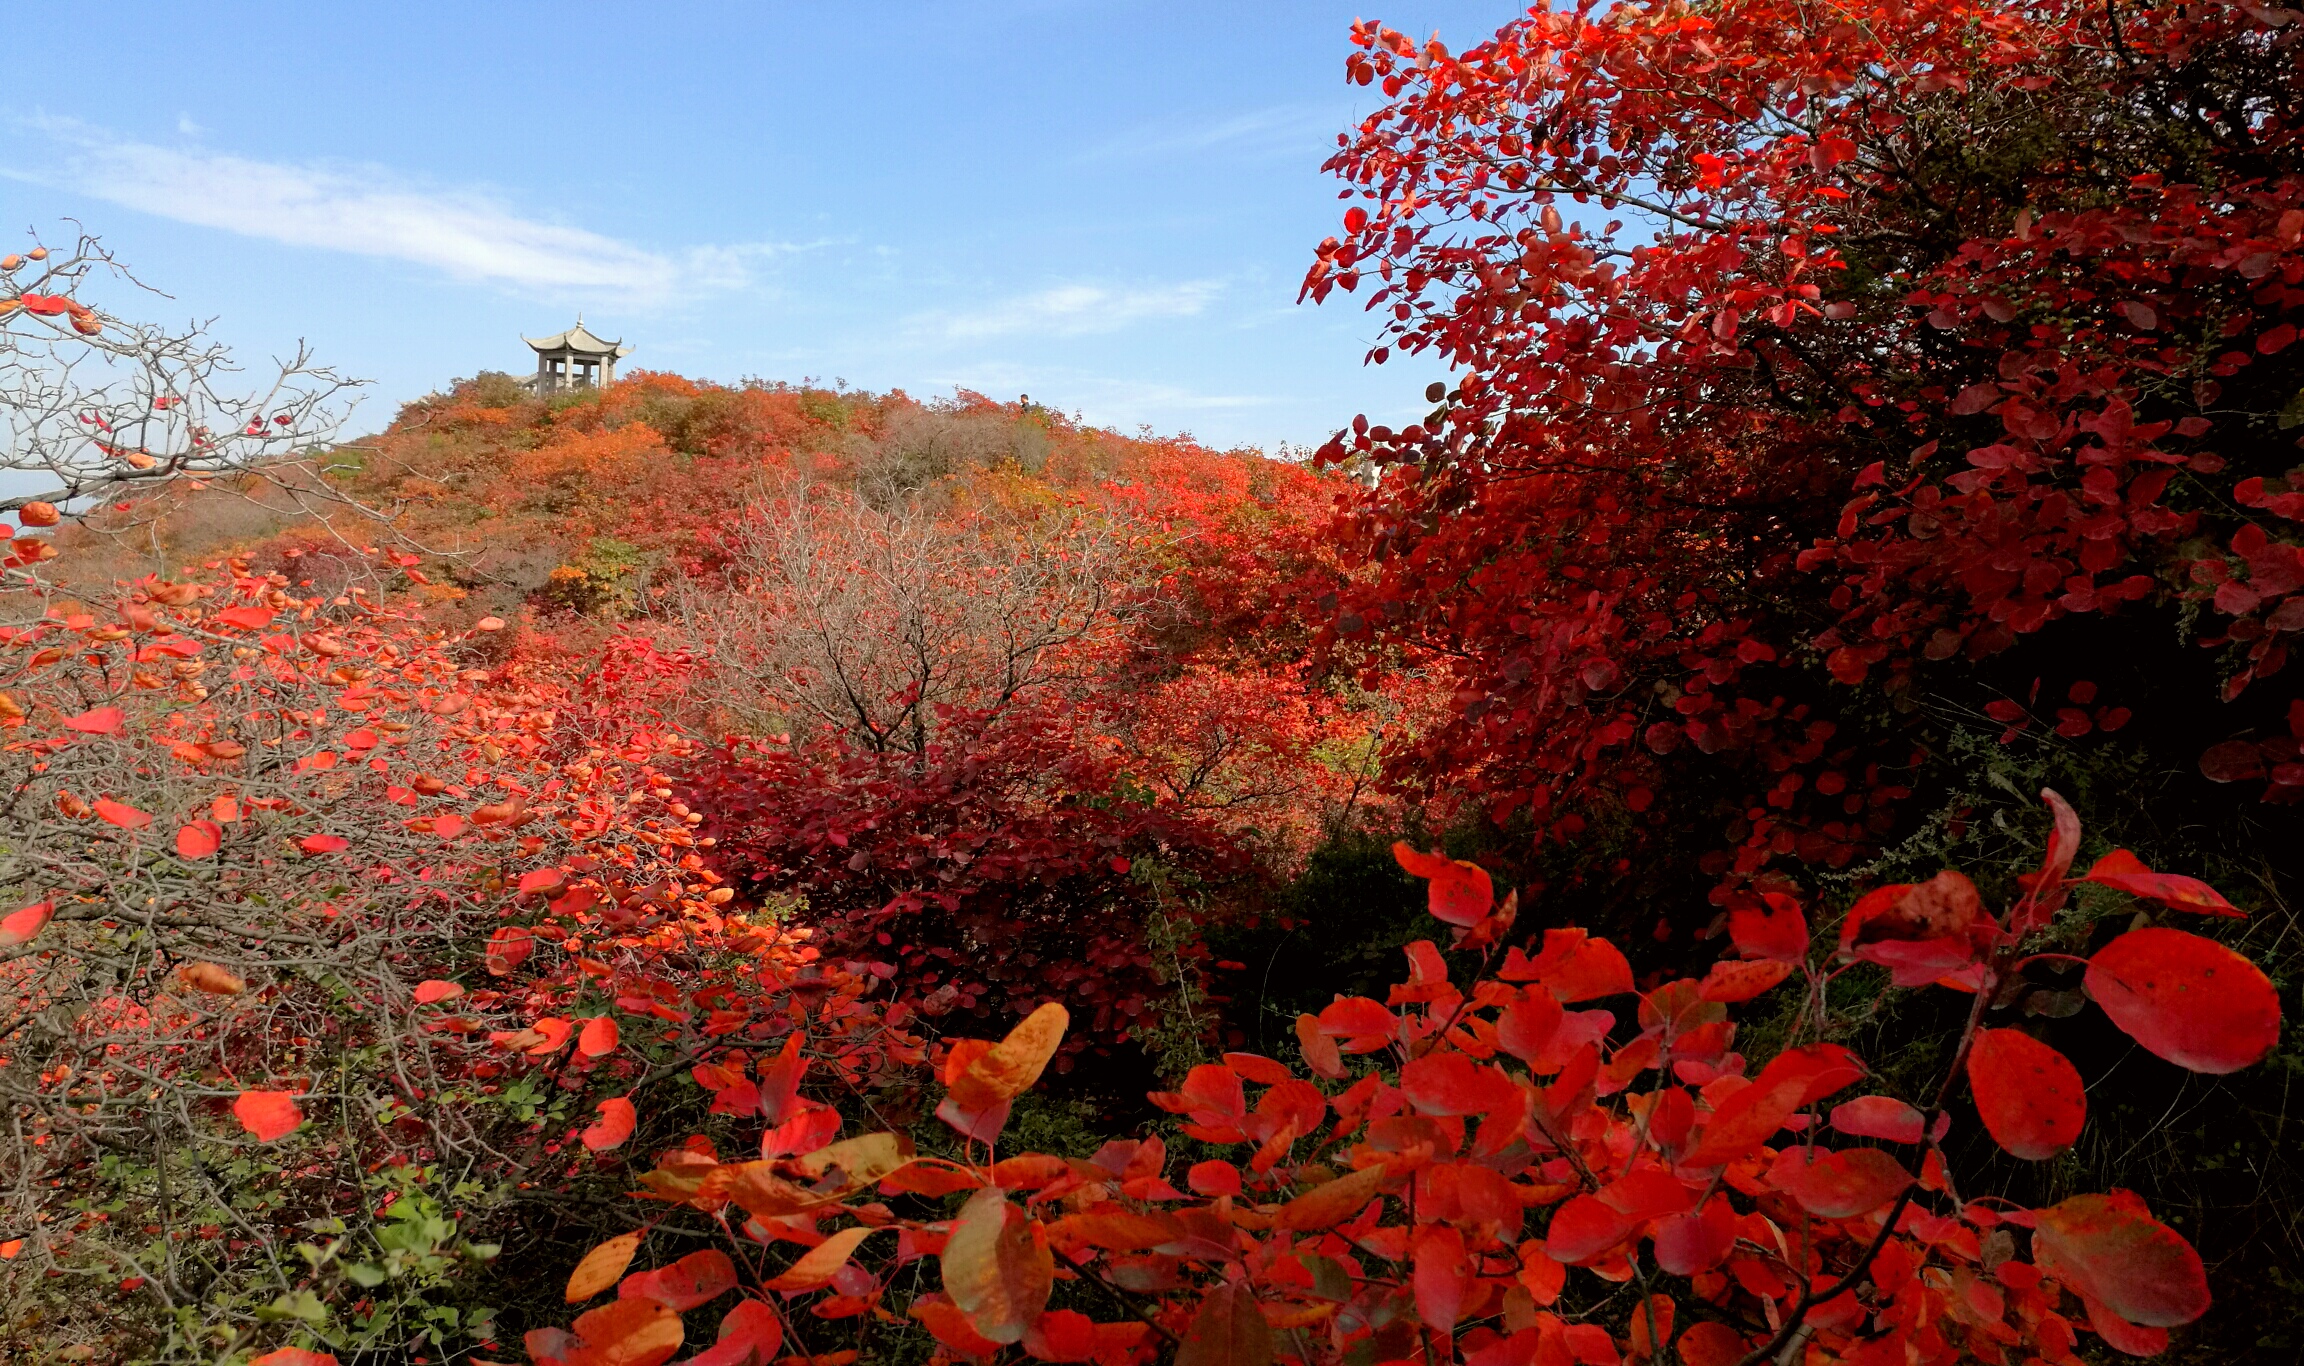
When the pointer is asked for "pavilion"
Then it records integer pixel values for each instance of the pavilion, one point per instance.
(575, 359)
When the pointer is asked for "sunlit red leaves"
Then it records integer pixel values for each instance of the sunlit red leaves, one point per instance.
(98, 721)
(601, 1267)
(21, 926)
(2188, 999)
(1460, 892)
(2126, 872)
(121, 814)
(617, 1117)
(2029, 1095)
(268, 1115)
(997, 1266)
(636, 1332)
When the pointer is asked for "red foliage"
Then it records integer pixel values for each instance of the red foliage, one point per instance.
(1391, 1214)
(1875, 389)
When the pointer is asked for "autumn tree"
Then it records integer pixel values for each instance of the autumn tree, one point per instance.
(97, 406)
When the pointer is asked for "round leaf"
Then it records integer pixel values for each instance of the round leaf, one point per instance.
(2029, 1094)
(2188, 999)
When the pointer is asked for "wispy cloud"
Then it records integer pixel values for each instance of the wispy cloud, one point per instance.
(369, 210)
(1066, 311)
(1283, 129)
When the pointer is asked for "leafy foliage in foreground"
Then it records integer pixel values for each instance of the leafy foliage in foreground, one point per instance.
(1461, 1171)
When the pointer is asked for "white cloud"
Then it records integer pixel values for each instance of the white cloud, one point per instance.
(1284, 129)
(1067, 311)
(368, 210)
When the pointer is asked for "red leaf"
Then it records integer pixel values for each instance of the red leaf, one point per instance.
(269, 1115)
(2188, 999)
(294, 1356)
(1884, 1117)
(598, 1037)
(508, 948)
(1689, 1244)
(1452, 1084)
(1731, 981)
(1769, 927)
(200, 839)
(247, 618)
(614, 1125)
(749, 1336)
(435, 991)
(1838, 1185)
(1461, 893)
(19, 927)
(1746, 1120)
(1061, 1335)
(323, 844)
(122, 815)
(98, 721)
(627, 1333)
(1585, 1229)
(1442, 1275)
(2108, 1249)
(2028, 1094)
(2123, 870)
(1228, 1329)
(698, 1278)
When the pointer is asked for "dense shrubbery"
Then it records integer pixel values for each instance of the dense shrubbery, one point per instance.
(390, 914)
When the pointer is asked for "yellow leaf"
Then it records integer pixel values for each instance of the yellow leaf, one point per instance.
(602, 1267)
(857, 1162)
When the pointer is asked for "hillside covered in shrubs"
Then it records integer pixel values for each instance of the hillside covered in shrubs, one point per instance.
(1763, 829)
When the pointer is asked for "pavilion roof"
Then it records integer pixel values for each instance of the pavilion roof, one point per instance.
(579, 339)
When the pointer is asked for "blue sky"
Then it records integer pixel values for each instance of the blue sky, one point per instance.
(1105, 205)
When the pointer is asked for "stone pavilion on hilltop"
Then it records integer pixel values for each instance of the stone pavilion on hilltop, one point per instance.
(575, 359)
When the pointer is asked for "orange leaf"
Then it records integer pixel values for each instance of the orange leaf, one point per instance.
(323, 844)
(435, 991)
(1010, 1067)
(598, 1038)
(269, 1115)
(997, 1266)
(614, 1125)
(213, 978)
(200, 839)
(293, 1356)
(629, 1333)
(120, 814)
(821, 1263)
(1331, 1203)
(601, 1267)
(508, 948)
